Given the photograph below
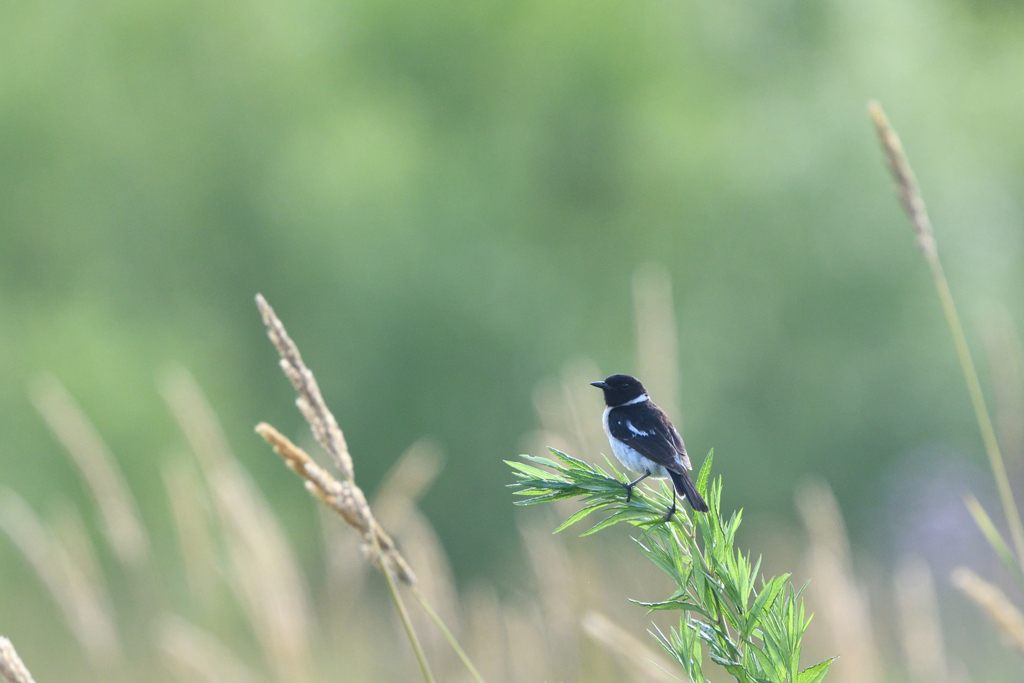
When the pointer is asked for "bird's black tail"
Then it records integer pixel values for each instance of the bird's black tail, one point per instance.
(685, 487)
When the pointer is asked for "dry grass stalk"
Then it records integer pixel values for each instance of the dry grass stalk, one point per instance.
(118, 510)
(634, 655)
(581, 404)
(486, 639)
(191, 513)
(924, 648)
(268, 579)
(560, 596)
(195, 654)
(344, 497)
(407, 480)
(906, 182)
(524, 635)
(844, 606)
(310, 401)
(11, 667)
(994, 602)
(85, 605)
(913, 203)
(70, 532)
(566, 405)
(547, 405)
(657, 338)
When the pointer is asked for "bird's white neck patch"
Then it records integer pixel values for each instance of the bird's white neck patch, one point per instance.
(639, 399)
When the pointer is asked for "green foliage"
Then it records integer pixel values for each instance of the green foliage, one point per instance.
(755, 634)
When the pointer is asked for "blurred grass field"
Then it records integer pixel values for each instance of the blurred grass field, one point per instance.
(450, 205)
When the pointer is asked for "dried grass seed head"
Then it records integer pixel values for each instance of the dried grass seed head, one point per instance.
(344, 497)
(119, 513)
(310, 401)
(906, 183)
(11, 667)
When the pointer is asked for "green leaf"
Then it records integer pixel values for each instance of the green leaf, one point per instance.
(530, 470)
(731, 666)
(572, 462)
(545, 498)
(612, 520)
(578, 515)
(765, 599)
(689, 640)
(658, 556)
(541, 461)
(814, 674)
(705, 472)
(679, 605)
(756, 569)
(619, 476)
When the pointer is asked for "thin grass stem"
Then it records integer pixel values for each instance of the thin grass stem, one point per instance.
(403, 614)
(988, 434)
(913, 204)
(447, 634)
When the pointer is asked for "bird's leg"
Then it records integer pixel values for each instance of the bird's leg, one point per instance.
(671, 510)
(630, 485)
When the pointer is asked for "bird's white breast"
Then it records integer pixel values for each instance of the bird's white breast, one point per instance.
(629, 457)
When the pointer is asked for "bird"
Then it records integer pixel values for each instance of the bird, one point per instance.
(644, 440)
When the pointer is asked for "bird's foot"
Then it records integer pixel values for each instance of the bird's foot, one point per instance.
(630, 485)
(671, 511)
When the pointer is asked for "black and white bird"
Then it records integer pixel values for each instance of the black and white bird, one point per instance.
(644, 440)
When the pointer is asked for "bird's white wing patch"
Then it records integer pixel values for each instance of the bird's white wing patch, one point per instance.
(636, 431)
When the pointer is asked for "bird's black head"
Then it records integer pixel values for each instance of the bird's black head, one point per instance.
(619, 389)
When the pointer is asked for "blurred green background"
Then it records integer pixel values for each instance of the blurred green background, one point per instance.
(447, 201)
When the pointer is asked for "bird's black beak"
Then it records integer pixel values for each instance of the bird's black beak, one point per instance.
(599, 385)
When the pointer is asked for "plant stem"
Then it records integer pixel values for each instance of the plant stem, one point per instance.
(403, 615)
(988, 434)
(447, 634)
(913, 204)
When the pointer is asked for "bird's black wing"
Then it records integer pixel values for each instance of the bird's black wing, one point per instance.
(645, 428)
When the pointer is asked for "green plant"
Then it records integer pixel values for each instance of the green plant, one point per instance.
(755, 634)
